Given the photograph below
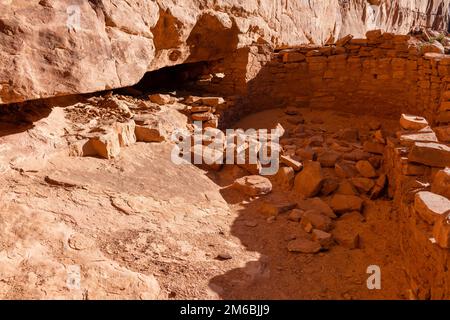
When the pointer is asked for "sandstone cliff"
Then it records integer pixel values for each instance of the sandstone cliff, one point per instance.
(50, 48)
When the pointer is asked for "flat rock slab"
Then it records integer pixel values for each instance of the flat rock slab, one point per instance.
(430, 153)
(430, 206)
(411, 122)
(304, 246)
(253, 185)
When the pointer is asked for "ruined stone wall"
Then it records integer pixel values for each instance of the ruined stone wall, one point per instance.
(384, 75)
(414, 170)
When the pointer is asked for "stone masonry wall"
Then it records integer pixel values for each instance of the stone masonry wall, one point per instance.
(385, 74)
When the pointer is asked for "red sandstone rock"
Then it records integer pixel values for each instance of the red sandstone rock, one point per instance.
(431, 154)
(441, 231)
(366, 169)
(345, 203)
(317, 220)
(161, 99)
(253, 185)
(441, 183)
(443, 133)
(363, 185)
(106, 145)
(410, 122)
(297, 166)
(324, 238)
(431, 206)
(304, 246)
(309, 181)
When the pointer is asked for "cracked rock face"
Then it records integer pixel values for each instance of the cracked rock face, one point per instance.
(51, 48)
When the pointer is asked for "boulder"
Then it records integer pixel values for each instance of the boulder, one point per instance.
(253, 185)
(309, 181)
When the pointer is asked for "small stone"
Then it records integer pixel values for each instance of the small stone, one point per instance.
(297, 166)
(253, 185)
(345, 203)
(366, 169)
(324, 238)
(348, 134)
(411, 122)
(212, 101)
(291, 111)
(346, 236)
(430, 206)
(305, 154)
(290, 57)
(251, 224)
(317, 220)
(373, 147)
(316, 204)
(379, 187)
(346, 188)
(126, 132)
(343, 41)
(315, 141)
(296, 215)
(356, 155)
(345, 169)
(224, 256)
(202, 116)
(328, 159)
(274, 209)
(329, 186)
(150, 130)
(309, 181)
(197, 109)
(441, 183)
(161, 99)
(304, 246)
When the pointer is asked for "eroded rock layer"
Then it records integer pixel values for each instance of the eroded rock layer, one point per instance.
(51, 48)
